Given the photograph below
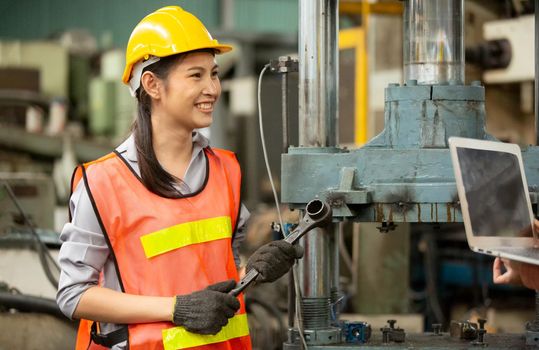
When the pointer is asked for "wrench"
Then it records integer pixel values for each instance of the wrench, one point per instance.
(317, 214)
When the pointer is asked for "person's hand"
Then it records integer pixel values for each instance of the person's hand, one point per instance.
(208, 310)
(511, 274)
(273, 260)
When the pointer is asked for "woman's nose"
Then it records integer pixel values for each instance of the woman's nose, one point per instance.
(211, 87)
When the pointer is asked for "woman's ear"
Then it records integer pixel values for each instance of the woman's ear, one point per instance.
(150, 83)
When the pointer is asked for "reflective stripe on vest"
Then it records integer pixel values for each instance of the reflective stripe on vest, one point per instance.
(168, 239)
(179, 338)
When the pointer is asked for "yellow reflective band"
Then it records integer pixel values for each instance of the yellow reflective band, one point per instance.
(185, 234)
(179, 338)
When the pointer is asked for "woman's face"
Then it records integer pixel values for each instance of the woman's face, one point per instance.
(191, 91)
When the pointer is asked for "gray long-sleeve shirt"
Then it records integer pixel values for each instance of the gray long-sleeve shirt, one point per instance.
(84, 252)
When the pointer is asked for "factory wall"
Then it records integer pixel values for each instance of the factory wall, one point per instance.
(111, 21)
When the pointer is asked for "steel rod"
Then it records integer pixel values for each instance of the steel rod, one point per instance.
(284, 108)
(318, 73)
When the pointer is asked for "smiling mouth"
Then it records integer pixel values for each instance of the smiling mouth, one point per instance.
(205, 107)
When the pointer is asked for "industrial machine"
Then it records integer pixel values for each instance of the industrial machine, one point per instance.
(402, 175)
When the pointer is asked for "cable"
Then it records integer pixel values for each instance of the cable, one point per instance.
(28, 303)
(299, 319)
(41, 248)
(263, 141)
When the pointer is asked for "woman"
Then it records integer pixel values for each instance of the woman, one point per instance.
(151, 251)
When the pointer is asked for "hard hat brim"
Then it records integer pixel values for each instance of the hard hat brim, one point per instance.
(219, 49)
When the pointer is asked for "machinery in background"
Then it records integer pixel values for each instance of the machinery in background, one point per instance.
(402, 175)
(29, 275)
(507, 55)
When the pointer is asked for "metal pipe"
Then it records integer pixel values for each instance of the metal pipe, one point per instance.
(291, 299)
(537, 72)
(356, 228)
(433, 45)
(335, 266)
(314, 267)
(314, 277)
(227, 15)
(335, 269)
(284, 110)
(318, 73)
(318, 105)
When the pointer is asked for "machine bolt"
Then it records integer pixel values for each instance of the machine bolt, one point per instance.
(437, 328)
(481, 322)
(481, 333)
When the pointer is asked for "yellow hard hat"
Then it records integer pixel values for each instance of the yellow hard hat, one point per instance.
(167, 31)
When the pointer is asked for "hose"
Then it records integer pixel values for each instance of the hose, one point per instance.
(44, 254)
(27, 303)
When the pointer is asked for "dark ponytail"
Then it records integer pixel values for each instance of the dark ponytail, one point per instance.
(154, 177)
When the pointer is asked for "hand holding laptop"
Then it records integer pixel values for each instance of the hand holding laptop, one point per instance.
(495, 204)
(511, 275)
(516, 273)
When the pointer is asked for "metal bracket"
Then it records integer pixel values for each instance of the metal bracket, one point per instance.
(284, 64)
(339, 198)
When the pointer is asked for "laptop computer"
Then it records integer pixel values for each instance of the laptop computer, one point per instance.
(494, 199)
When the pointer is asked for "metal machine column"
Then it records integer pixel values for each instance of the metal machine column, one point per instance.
(433, 45)
(318, 75)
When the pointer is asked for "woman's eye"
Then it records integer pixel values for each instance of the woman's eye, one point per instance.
(215, 74)
(196, 75)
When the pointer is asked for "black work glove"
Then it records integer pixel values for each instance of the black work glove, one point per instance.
(273, 260)
(208, 310)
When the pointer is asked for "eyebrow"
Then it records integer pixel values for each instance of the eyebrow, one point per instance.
(202, 68)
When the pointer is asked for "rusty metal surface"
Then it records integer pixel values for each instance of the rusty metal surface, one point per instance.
(408, 185)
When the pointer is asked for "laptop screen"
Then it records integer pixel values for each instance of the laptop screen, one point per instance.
(494, 190)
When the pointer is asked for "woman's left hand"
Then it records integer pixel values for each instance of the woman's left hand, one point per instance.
(273, 260)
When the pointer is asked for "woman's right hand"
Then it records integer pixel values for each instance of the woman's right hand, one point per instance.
(208, 310)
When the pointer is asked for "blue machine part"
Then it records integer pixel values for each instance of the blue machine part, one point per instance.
(356, 332)
(405, 173)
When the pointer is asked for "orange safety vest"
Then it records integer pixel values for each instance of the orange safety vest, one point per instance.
(167, 247)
